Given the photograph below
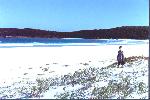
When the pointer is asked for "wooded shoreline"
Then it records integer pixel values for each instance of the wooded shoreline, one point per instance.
(124, 32)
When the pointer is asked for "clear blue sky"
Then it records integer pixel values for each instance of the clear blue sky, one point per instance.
(71, 15)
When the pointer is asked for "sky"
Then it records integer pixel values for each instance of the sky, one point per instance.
(73, 15)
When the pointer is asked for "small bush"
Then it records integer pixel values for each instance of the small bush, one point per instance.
(123, 89)
(142, 87)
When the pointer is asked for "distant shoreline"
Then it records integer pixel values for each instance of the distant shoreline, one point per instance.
(74, 38)
(124, 32)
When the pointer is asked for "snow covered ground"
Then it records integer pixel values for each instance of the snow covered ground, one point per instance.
(23, 68)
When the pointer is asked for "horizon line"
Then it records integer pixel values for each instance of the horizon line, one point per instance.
(71, 31)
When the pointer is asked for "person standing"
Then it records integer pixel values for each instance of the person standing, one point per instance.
(120, 57)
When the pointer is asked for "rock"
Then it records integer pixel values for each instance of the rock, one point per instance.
(45, 69)
(25, 73)
(30, 68)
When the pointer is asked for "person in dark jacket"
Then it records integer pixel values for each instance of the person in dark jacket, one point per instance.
(120, 57)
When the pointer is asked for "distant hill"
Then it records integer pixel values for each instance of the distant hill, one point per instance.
(124, 32)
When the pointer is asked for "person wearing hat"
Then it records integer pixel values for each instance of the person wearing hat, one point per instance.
(120, 57)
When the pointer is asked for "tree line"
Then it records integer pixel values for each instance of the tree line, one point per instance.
(124, 32)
